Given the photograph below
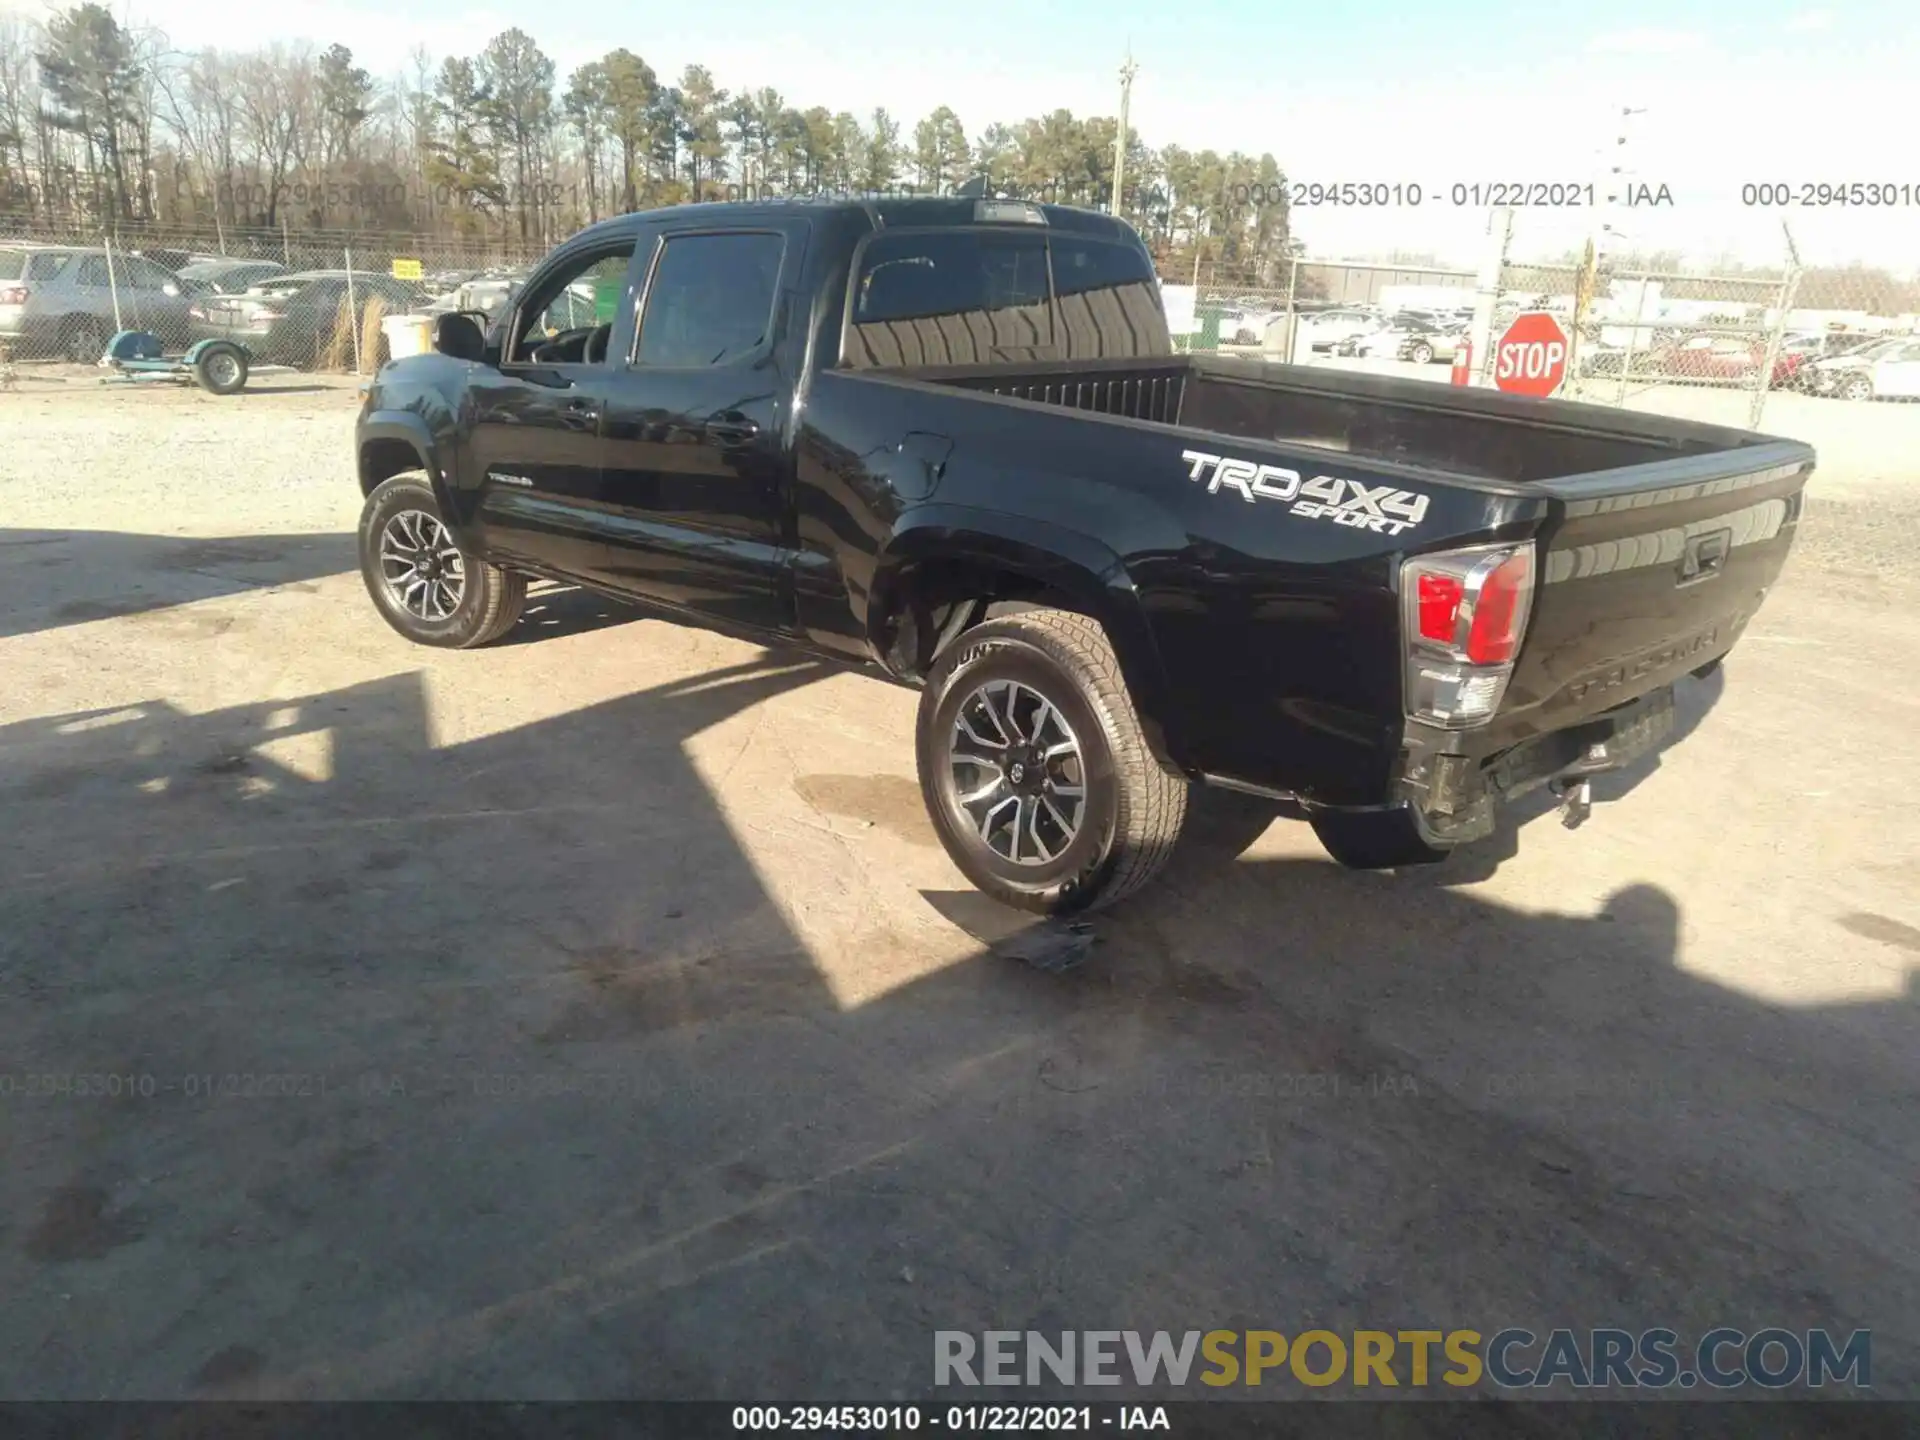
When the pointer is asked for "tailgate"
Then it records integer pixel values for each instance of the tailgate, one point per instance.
(1648, 573)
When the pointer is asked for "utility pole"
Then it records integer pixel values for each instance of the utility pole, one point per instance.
(1596, 263)
(1127, 72)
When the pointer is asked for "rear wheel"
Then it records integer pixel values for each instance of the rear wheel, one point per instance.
(1034, 768)
(1857, 387)
(1421, 353)
(221, 370)
(82, 340)
(422, 582)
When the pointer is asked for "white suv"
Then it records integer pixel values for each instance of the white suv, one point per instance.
(61, 298)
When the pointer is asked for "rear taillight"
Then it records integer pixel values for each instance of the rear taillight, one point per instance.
(13, 294)
(1465, 614)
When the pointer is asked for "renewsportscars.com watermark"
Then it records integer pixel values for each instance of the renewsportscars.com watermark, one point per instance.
(1512, 1359)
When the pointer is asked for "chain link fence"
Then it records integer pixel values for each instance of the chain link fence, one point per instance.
(1635, 332)
(313, 300)
(1636, 335)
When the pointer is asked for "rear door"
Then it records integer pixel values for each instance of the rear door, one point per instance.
(92, 289)
(152, 298)
(696, 467)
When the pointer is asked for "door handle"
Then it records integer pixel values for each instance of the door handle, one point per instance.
(580, 415)
(731, 429)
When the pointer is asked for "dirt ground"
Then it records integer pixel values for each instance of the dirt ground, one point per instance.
(597, 1016)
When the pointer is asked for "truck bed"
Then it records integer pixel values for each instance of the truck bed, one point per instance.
(1644, 511)
(1464, 434)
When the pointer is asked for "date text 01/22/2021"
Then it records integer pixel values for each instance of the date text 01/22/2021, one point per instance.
(960, 1419)
(1461, 194)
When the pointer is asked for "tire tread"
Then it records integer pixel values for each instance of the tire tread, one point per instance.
(502, 593)
(1152, 801)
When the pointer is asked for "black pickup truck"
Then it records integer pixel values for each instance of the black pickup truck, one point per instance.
(952, 439)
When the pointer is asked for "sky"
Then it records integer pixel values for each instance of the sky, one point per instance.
(1470, 92)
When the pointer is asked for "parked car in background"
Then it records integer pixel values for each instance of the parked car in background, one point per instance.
(1724, 357)
(230, 277)
(69, 300)
(1406, 336)
(485, 291)
(172, 261)
(1424, 342)
(1889, 369)
(1328, 328)
(1599, 358)
(287, 319)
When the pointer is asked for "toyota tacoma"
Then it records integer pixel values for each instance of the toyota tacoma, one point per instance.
(951, 439)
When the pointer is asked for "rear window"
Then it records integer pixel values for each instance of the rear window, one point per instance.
(960, 272)
(951, 297)
(1083, 265)
(32, 264)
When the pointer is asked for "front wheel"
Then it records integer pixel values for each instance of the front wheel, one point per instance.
(1857, 387)
(1035, 770)
(422, 582)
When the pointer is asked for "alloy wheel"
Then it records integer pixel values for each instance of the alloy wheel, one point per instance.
(1016, 774)
(422, 568)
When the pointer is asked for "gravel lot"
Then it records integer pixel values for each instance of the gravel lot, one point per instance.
(642, 1042)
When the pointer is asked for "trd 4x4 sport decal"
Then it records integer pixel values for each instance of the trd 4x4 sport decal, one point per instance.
(1379, 508)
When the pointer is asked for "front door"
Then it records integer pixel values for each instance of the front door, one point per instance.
(533, 472)
(695, 463)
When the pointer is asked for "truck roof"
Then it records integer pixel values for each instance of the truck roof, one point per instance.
(889, 211)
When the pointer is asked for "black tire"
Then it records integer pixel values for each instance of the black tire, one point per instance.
(1856, 387)
(221, 369)
(1421, 354)
(488, 600)
(82, 340)
(1132, 808)
(1373, 839)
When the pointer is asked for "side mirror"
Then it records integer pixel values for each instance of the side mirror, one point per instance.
(457, 335)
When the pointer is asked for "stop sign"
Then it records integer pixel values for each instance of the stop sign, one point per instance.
(1531, 358)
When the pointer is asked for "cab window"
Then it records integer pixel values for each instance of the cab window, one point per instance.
(711, 300)
(570, 320)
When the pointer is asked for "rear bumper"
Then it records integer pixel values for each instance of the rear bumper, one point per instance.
(1454, 799)
(20, 328)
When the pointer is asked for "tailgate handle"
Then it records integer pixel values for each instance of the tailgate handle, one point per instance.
(1705, 556)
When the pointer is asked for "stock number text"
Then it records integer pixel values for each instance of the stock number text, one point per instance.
(1868, 194)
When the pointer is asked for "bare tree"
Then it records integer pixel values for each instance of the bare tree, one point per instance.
(270, 111)
(19, 105)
